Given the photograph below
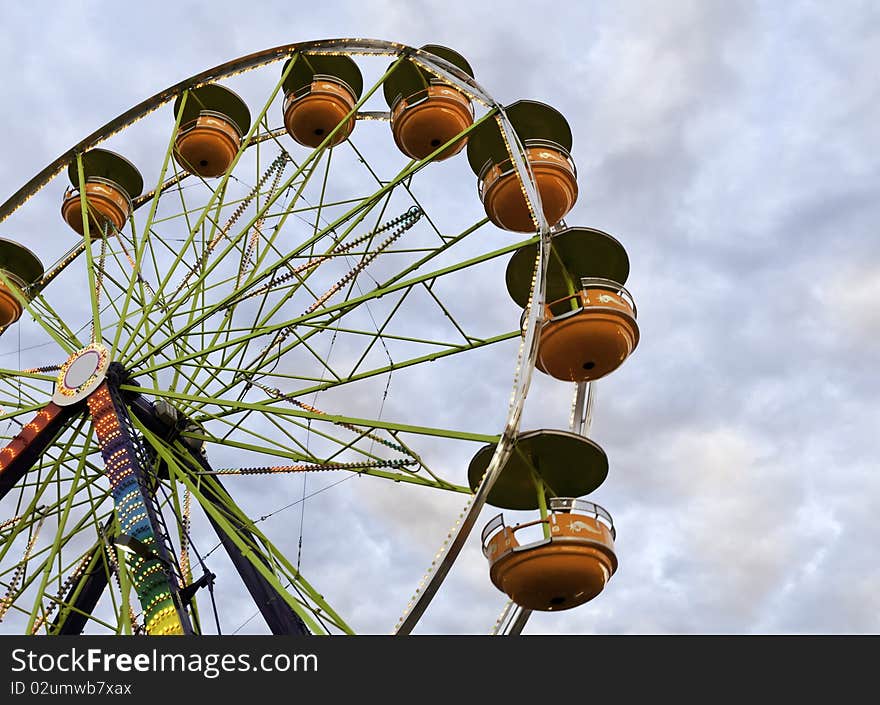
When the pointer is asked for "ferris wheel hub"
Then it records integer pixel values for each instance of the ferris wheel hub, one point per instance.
(81, 374)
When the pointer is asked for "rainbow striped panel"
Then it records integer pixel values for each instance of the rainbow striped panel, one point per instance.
(120, 466)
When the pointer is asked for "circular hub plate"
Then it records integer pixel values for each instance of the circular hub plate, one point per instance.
(569, 464)
(81, 375)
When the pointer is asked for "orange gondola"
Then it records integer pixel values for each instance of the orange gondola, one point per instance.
(546, 139)
(21, 268)
(589, 325)
(426, 111)
(320, 92)
(110, 184)
(573, 555)
(568, 567)
(214, 119)
(588, 334)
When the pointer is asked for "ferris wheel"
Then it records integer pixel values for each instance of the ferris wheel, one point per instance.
(299, 263)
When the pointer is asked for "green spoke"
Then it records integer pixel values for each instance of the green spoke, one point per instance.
(231, 406)
(56, 546)
(362, 209)
(27, 305)
(409, 363)
(375, 294)
(181, 475)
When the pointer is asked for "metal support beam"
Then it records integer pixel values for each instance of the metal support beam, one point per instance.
(279, 616)
(19, 455)
(519, 621)
(582, 408)
(83, 596)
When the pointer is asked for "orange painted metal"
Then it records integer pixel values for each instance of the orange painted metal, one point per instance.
(430, 118)
(28, 434)
(10, 308)
(207, 145)
(589, 342)
(310, 116)
(505, 202)
(569, 569)
(107, 202)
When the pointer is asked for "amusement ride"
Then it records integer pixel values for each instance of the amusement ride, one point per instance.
(282, 291)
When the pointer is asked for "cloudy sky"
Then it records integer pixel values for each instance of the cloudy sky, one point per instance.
(733, 148)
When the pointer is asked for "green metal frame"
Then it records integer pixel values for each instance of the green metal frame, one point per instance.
(191, 296)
